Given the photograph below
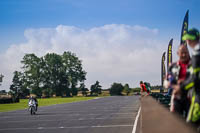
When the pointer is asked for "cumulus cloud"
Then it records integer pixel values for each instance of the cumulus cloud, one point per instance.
(110, 53)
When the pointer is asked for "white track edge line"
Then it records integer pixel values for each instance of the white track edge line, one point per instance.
(136, 121)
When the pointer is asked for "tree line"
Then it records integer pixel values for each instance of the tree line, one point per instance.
(52, 74)
(59, 75)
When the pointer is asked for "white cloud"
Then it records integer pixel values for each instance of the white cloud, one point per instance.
(110, 53)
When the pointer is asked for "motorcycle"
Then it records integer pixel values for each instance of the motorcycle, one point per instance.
(32, 107)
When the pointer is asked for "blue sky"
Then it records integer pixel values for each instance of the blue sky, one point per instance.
(18, 16)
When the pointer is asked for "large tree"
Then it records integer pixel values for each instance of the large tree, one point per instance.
(18, 87)
(32, 70)
(74, 70)
(52, 73)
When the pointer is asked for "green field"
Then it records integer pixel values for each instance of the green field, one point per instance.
(23, 104)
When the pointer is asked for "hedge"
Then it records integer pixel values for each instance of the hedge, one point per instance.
(9, 100)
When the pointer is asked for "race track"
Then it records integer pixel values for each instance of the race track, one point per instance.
(103, 115)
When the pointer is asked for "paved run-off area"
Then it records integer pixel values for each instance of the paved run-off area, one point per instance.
(104, 115)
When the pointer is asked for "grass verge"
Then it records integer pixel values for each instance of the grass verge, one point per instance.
(42, 102)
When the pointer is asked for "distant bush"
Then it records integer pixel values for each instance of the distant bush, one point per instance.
(9, 100)
(94, 95)
(66, 96)
(45, 96)
(105, 93)
(16, 100)
(116, 89)
(136, 89)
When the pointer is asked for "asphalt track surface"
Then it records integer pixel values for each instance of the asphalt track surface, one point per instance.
(104, 115)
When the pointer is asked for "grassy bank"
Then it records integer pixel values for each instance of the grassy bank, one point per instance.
(42, 102)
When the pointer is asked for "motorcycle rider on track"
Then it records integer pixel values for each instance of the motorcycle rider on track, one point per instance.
(34, 100)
